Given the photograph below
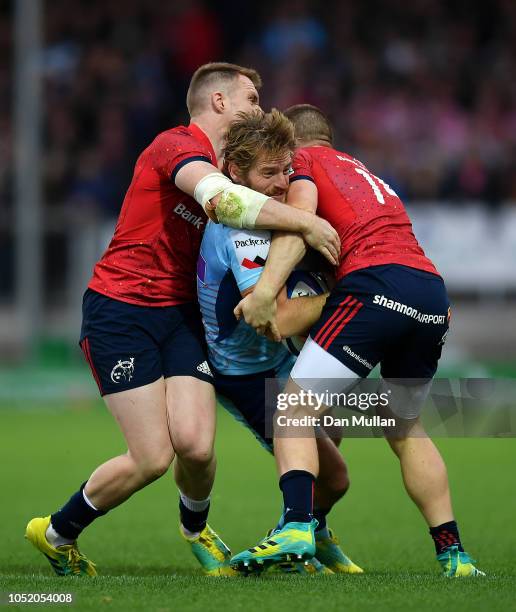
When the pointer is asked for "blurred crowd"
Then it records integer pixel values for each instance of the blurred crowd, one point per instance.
(424, 92)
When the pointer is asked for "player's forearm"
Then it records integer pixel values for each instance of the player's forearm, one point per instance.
(285, 253)
(296, 317)
(287, 250)
(276, 216)
(239, 206)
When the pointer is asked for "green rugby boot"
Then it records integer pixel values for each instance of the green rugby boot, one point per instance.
(211, 552)
(65, 560)
(293, 542)
(330, 554)
(457, 564)
(311, 567)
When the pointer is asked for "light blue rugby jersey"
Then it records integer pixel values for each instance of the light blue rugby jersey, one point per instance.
(230, 261)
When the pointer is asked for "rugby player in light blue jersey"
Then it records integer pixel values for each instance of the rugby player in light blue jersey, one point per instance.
(258, 154)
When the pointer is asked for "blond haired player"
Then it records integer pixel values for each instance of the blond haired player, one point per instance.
(258, 154)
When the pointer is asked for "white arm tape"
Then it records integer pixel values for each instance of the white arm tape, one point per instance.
(210, 186)
(238, 206)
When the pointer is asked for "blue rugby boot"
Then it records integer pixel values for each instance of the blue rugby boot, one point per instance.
(293, 542)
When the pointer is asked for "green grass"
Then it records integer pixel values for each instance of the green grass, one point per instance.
(144, 565)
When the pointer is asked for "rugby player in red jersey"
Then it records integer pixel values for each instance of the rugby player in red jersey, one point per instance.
(389, 306)
(142, 333)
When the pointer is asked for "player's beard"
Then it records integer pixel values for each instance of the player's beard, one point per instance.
(280, 197)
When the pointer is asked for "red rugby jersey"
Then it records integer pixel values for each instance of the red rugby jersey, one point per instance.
(152, 257)
(370, 219)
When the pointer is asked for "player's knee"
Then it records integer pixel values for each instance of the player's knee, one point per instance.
(195, 452)
(152, 467)
(153, 470)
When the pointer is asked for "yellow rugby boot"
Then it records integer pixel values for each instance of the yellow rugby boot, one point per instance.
(65, 560)
(211, 552)
(330, 554)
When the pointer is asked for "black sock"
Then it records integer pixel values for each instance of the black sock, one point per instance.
(191, 520)
(298, 495)
(446, 535)
(74, 516)
(320, 515)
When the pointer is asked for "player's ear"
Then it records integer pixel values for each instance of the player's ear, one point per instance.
(218, 102)
(234, 173)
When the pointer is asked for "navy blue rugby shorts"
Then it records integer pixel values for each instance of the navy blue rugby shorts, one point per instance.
(128, 346)
(390, 314)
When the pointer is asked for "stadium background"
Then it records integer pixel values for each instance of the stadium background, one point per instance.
(422, 92)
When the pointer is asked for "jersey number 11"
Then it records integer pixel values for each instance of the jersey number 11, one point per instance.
(373, 180)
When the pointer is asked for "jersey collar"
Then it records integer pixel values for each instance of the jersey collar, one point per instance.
(200, 135)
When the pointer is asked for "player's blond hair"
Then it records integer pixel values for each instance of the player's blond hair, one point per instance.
(209, 76)
(255, 133)
(310, 123)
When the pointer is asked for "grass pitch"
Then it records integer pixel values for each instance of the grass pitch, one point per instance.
(46, 452)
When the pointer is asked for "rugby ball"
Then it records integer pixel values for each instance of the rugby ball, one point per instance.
(302, 284)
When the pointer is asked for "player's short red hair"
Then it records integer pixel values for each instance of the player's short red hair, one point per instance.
(310, 123)
(212, 74)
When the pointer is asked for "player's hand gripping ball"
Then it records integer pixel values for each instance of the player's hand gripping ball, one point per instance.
(303, 284)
